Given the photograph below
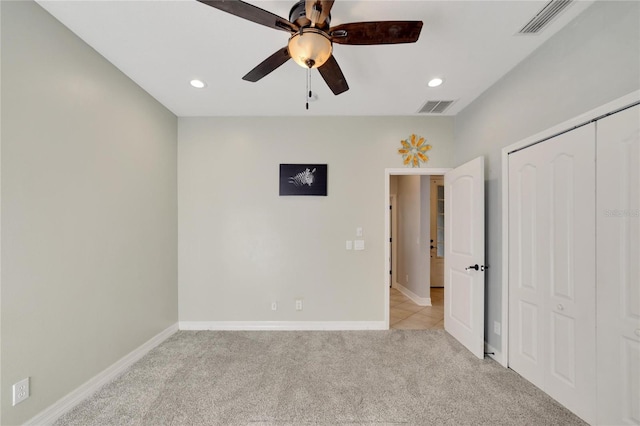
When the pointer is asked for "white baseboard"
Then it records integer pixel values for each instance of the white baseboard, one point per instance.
(282, 325)
(68, 402)
(494, 354)
(420, 301)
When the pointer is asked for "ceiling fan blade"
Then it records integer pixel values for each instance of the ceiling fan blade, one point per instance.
(252, 13)
(268, 65)
(332, 75)
(323, 8)
(381, 32)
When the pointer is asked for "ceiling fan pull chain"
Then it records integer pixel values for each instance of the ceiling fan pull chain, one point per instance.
(308, 86)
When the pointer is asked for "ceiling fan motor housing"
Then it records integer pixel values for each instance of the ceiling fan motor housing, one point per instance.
(298, 15)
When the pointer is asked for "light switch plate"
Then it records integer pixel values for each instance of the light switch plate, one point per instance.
(349, 244)
(358, 245)
(359, 231)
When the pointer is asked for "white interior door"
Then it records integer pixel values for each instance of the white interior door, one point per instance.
(552, 267)
(464, 248)
(618, 307)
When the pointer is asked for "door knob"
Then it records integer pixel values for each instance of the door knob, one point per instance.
(477, 267)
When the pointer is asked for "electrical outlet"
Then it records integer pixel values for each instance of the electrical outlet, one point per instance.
(20, 391)
(496, 327)
(298, 304)
(274, 306)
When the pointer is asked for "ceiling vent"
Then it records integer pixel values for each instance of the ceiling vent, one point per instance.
(546, 15)
(435, 107)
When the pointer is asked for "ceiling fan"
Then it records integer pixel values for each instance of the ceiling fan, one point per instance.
(312, 38)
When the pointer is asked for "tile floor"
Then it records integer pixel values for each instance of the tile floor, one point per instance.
(406, 315)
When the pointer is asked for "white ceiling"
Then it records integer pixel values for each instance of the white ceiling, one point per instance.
(162, 45)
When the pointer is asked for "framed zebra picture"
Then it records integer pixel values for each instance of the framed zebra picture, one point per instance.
(303, 179)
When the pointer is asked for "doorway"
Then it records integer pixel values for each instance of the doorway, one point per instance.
(464, 300)
(436, 219)
(399, 298)
(417, 304)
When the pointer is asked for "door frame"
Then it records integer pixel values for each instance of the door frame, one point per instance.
(595, 114)
(393, 234)
(387, 174)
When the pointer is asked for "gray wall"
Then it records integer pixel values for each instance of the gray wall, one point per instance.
(413, 234)
(592, 61)
(425, 237)
(408, 231)
(89, 211)
(242, 246)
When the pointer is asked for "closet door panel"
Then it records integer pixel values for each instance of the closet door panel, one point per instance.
(526, 353)
(618, 211)
(552, 267)
(570, 274)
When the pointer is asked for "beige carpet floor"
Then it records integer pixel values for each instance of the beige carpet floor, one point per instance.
(393, 377)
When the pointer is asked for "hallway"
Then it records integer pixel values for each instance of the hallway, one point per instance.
(406, 315)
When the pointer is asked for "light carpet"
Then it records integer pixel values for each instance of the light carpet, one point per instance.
(317, 377)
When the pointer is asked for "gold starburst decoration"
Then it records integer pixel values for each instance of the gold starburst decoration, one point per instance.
(413, 151)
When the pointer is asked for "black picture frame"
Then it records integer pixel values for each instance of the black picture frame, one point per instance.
(303, 179)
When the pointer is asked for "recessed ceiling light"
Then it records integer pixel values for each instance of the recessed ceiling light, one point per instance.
(435, 82)
(198, 84)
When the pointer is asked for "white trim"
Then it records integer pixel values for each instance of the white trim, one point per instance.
(505, 260)
(387, 174)
(607, 108)
(393, 199)
(420, 301)
(67, 403)
(283, 325)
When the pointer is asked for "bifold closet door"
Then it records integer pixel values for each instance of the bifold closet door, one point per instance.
(552, 268)
(618, 212)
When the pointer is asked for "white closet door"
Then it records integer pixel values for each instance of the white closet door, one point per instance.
(552, 268)
(619, 268)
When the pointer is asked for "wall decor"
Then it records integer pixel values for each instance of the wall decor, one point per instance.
(413, 151)
(303, 179)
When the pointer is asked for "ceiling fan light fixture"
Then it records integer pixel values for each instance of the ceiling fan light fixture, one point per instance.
(310, 48)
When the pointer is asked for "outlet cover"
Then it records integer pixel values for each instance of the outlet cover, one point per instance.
(298, 304)
(20, 391)
(496, 327)
(274, 306)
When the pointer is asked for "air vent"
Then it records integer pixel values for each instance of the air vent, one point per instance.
(546, 15)
(435, 107)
